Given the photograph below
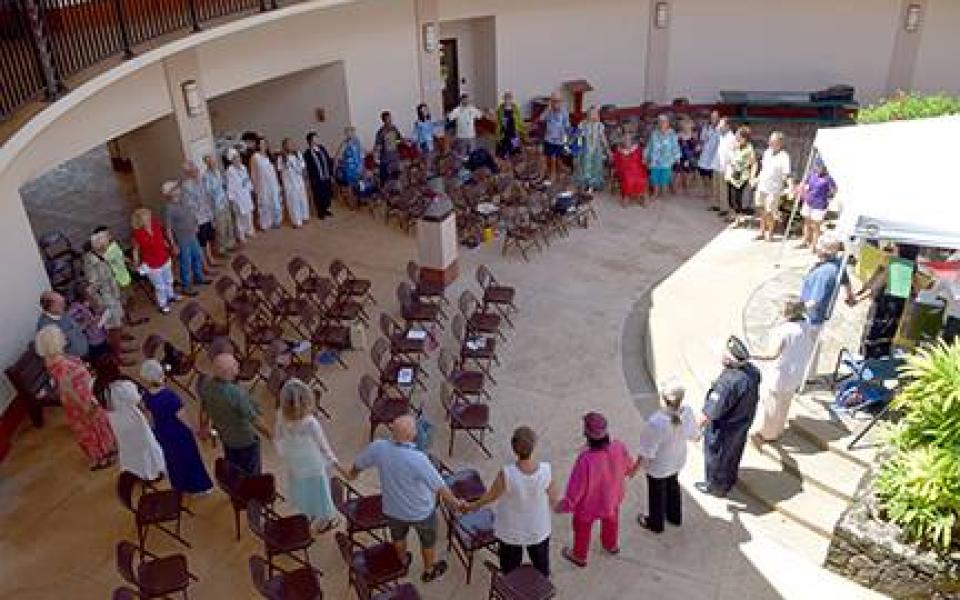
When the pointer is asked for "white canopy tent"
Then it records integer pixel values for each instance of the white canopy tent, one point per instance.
(897, 181)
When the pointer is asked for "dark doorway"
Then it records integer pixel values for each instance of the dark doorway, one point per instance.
(450, 71)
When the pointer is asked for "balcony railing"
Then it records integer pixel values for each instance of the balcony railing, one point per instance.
(44, 43)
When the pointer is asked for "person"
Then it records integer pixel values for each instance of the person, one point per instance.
(509, 130)
(194, 195)
(728, 413)
(663, 452)
(386, 148)
(631, 172)
(594, 150)
(686, 167)
(305, 452)
(725, 147)
(53, 311)
(410, 485)
(817, 291)
(349, 159)
(741, 169)
(883, 317)
(181, 454)
(119, 266)
(292, 168)
(319, 167)
(710, 135)
(465, 117)
(234, 415)
(104, 293)
(770, 183)
(99, 354)
(661, 153)
(182, 230)
(788, 357)
(151, 256)
(263, 175)
(596, 489)
(137, 449)
(523, 494)
(424, 132)
(223, 221)
(816, 192)
(74, 384)
(556, 123)
(240, 195)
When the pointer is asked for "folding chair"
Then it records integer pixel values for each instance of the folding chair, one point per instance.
(429, 291)
(238, 304)
(416, 311)
(178, 365)
(481, 350)
(153, 576)
(281, 536)
(376, 567)
(306, 280)
(251, 278)
(152, 508)
(241, 488)
(284, 307)
(868, 386)
(495, 294)
(299, 584)
(463, 415)
(394, 368)
(201, 328)
(402, 342)
(465, 383)
(363, 514)
(479, 321)
(325, 335)
(523, 583)
(348, 284)
(382, 407)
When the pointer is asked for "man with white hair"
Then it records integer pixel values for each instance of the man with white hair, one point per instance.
(182, 230)
(194, 195)
(240, 195)
(410, 485)
(725, 146)
(817, 291)
(770, 183)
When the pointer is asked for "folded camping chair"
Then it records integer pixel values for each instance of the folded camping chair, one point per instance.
(864, 385)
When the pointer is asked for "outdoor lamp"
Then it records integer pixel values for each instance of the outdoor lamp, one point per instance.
(191, 97)
(430, 37)
(661, 16)
(913, 17)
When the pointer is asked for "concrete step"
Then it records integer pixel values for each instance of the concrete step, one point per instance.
(810, 417)
(767, 481)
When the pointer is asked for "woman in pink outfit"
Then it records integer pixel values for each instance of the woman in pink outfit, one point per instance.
(596, 489)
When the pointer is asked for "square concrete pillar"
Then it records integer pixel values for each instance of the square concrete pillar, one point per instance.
(437, 249)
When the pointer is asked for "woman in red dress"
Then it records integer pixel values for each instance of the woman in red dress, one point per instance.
(84, 415)
(631, 172)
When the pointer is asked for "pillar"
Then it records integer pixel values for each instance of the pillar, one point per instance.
(193, 122)
(437, 244)
(428, 59)
(658, 52)
(906, 46)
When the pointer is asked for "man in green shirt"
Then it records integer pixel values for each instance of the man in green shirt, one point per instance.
(234, 415)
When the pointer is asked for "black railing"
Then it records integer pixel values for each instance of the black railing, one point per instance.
(43, 43)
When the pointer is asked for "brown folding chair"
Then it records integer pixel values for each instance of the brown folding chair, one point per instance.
(417, 312)
(152, 508)
(430, 291)
(479, 321)
(391, 368)
(201, 328)
(463, 415)
(325, 335)
(523, 583)
(520, 235)
(403, 591)
(376, 567)
(281, 536)
(468, 534)
(182, 372)
(299, 584)
(339, 308)
(363, 514)
(241, 488)
(305, 372)
(348, 284)
(251, 278)
(258, 332)
(401, 341)
(306, 279)
(480, 350)
(153, 576)
(248, 368)
(465, 483)
(238, 304)
(283, 306)
(495, 294)
(466, 383)
(382, 407)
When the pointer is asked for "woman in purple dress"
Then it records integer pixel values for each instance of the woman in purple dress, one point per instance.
(184, 465)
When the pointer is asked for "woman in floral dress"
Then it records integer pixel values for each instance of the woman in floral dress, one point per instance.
(594, 149)
(74, 383)
(661, 153)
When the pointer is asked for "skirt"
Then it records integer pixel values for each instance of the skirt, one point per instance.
(311, 496)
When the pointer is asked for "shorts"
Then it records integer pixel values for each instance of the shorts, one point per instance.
(426, 530)
(205, 234)
(814, 214)
(552, 150)
(661, 176)
(768, 202)
(705, 173)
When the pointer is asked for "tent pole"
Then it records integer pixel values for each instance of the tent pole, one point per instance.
(833, 301)
(796, 206)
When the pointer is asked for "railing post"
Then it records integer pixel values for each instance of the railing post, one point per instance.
(124, 34)
(41, 46)
(263, 5)
(194, 17)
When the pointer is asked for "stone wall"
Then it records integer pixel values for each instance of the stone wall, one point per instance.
(872, 553)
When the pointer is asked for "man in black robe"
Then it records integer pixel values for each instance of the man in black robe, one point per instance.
(727, 415)
(320, 174)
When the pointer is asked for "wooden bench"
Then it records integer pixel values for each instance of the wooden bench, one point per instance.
(747, 107)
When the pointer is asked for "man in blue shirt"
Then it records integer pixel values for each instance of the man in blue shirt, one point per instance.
(409, 484)
(556, 123)
(818, 289)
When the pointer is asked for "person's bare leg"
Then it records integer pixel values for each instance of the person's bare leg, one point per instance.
(429, 557)
(401, 547)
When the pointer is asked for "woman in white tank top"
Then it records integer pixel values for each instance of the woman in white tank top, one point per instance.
(524, 495)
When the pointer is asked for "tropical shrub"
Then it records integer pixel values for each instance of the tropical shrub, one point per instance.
(918, 487)
(904, 107)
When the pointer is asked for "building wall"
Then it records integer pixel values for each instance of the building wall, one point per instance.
(156, 154)
(937, 69)
(300, 94)
(764, 45)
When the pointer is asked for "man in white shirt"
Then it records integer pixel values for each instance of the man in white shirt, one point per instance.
(770, 183)
(728, 141)
(465, 117)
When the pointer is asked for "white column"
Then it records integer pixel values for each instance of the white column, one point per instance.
(193, 122)
(428, 61)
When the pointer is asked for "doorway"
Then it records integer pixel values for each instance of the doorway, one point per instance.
(450, 72)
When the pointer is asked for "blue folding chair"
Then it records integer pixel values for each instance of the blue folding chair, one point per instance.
(864, 385)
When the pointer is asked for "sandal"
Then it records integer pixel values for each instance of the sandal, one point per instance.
(439, 568)
(567, 554)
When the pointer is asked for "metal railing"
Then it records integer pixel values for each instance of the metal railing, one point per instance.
(43, 43)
